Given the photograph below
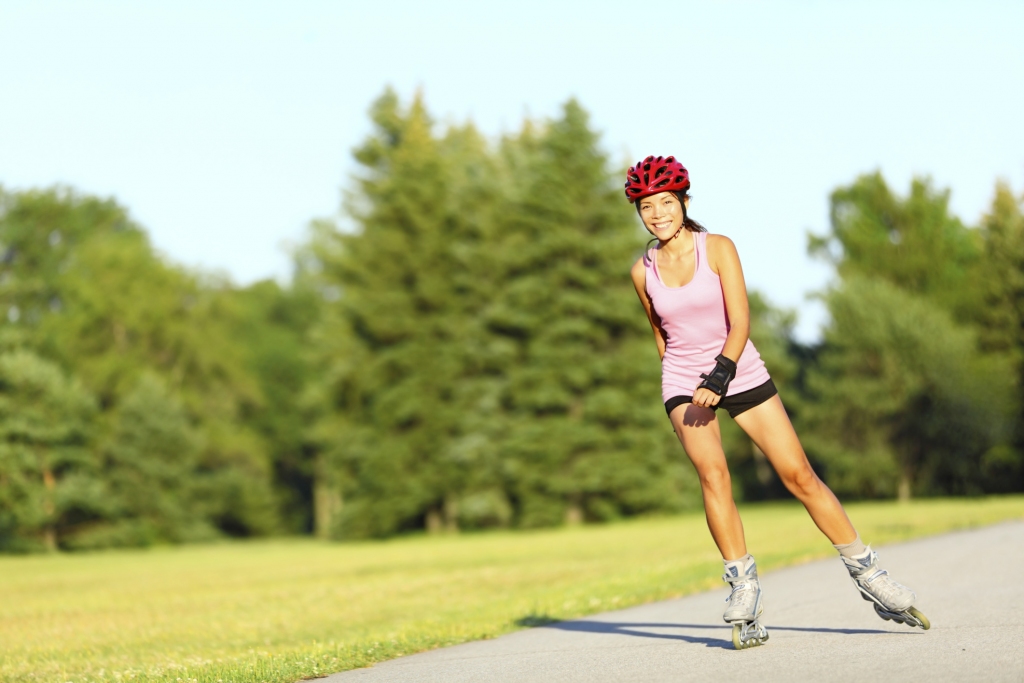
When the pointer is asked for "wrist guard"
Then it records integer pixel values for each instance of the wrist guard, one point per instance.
(718, 380)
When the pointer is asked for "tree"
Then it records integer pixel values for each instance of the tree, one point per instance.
(1001, 320)
(269, 328)
(912, 242)
(915, 285)
(406, 288)
(900, 400)
(486, 360)
(584, 435)
(83, 287)
(148, 467)
(48, 472)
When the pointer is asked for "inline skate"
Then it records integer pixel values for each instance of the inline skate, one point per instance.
(745, 605)
(891, 600)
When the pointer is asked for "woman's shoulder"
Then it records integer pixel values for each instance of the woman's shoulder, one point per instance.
(721, 250)
(638, 271)
(718, 240)
(720, 244)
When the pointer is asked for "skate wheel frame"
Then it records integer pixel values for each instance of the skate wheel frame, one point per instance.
(912, 617)
(748, 635)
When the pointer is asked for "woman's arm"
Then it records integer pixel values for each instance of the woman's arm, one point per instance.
(639, 275)
(725, 261)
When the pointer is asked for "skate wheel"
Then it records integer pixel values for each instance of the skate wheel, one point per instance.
(916, 613)
(753, 641)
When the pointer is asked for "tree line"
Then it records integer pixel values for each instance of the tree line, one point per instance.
(462, 349)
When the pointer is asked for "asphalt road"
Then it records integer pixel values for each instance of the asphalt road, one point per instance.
(970, 584)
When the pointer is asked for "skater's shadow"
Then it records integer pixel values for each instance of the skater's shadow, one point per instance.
(631, 630)
(636, 629)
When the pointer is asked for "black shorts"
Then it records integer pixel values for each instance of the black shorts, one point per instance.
(734, 403)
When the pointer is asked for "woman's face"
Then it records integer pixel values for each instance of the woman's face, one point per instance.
(662, 214)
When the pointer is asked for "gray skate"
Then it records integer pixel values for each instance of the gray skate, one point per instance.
(745, 606)
(891, 600)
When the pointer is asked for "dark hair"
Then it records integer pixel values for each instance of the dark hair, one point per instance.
(688, 223)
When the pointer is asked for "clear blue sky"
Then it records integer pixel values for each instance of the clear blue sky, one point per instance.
(226, 126)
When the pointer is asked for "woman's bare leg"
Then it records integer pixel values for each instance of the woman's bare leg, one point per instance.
(699, 432)
(769, 427)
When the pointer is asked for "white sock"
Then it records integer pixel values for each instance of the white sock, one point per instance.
(852, 549)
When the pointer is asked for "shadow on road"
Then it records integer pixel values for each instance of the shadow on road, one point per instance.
(628, 630)
(632, 629)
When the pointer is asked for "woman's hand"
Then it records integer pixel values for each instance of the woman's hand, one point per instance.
(705, 398)
(717, 381)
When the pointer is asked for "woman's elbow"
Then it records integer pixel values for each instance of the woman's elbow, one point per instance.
(740, 321)
(740, 328)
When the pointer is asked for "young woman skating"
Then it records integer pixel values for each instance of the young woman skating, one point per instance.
(691, 286)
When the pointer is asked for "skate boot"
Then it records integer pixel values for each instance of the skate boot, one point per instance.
(745, 606)
(891, 600)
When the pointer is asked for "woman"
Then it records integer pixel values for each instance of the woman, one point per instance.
(691, 286)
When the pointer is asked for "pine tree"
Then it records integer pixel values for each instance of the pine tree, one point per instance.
(1001, 319)
(402, 341)
(585, 434)
(49, 483)
(1002, 231)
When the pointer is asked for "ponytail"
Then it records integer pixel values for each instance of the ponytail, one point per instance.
(688, 223)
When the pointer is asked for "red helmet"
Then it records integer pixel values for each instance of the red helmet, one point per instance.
(654, 175)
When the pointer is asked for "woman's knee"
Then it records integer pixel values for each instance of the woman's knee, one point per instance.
(716, 480)
(802, 482)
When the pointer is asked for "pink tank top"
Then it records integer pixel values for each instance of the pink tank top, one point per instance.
(696, 323)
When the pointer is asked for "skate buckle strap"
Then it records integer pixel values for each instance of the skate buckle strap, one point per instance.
(733, 576)
(742, 578)
(880, 572)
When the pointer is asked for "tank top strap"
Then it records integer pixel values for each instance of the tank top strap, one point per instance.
(701, 245)
(649, 269)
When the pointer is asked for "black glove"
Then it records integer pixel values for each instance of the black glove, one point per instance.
(718, 380)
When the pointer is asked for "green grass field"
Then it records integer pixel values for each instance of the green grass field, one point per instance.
(283, 610)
